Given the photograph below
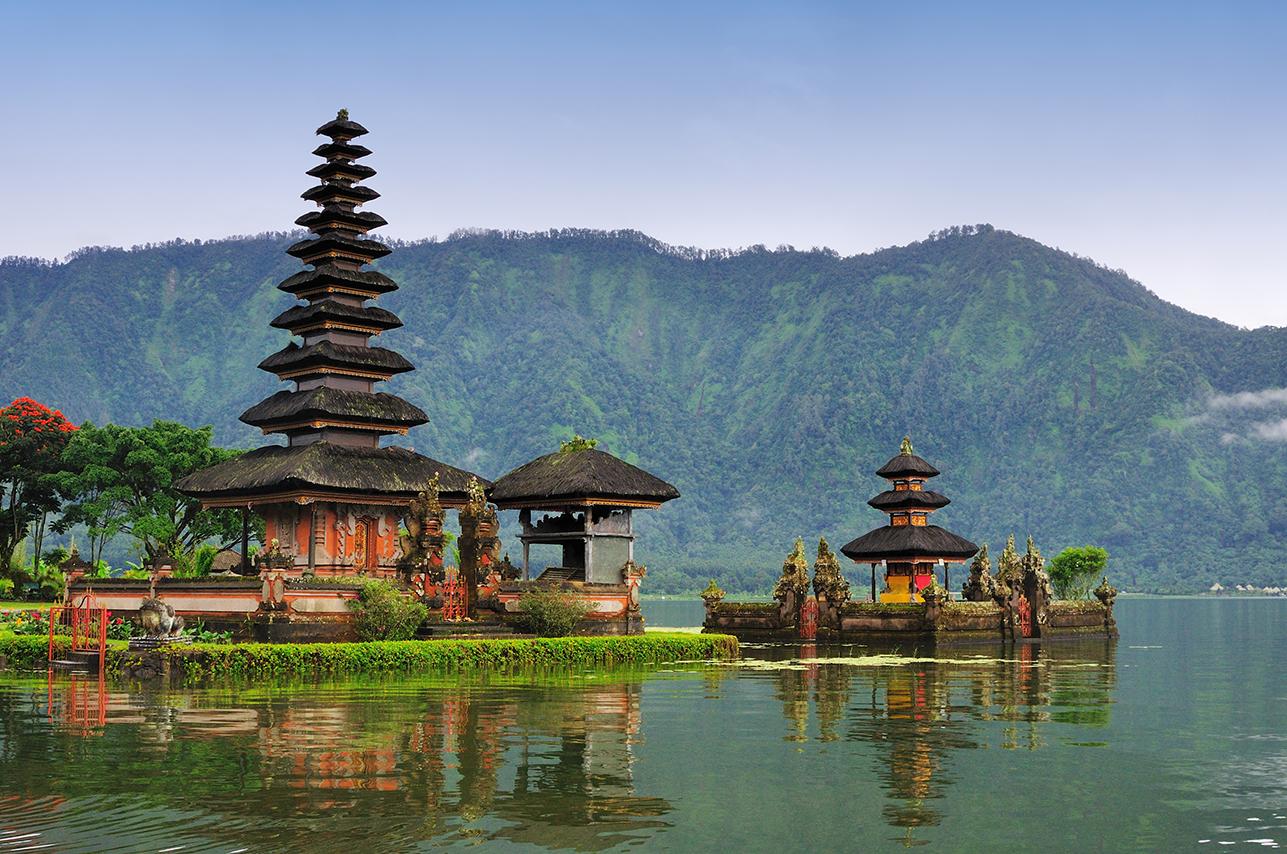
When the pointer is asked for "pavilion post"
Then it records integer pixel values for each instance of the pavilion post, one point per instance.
(873, 582)
(312, 538)
(245, 541)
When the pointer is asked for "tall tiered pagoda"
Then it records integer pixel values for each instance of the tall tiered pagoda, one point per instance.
(332, 496)
(908, 546)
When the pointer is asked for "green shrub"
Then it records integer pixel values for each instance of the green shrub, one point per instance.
(1073, 571)
(197, 564)
(6, 588)
(550, 613)
(384, 612)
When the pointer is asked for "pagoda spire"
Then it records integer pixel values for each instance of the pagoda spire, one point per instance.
(335, 368)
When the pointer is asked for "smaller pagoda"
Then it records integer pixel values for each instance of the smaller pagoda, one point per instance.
(580, 499)
(909, 546)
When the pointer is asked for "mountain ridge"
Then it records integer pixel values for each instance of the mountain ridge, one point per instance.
(767, 384)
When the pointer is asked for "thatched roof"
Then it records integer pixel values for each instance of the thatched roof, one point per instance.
(334, 403)
(337, 242)
(344, 150)
(574, 474)
(322, 465)
(369, 316)
(328, 274)
(342, 127)
(909, 542)
(332, 169)
(333, 216)
(329, 354)
(906, 465)
(909, 499)
(323, 193)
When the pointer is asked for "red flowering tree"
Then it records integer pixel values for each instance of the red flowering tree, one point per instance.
(32, 438)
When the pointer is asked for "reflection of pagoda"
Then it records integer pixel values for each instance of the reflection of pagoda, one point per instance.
(332, 496)
(908, 546)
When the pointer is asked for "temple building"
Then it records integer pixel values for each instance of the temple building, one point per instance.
(908, 546)
(332, 497)
(580, 499)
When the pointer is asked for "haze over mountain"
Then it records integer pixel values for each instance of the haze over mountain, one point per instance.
(1058, 397)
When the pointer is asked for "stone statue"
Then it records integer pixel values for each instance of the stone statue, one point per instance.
(1106, 593)
(507, 570)
(422, 545)
(159, 620)
(981, 586)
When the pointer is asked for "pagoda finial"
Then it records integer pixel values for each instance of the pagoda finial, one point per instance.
(342, 115)
(905, 448)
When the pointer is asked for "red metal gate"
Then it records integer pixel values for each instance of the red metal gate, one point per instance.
(88, 624)
(809, 619)
(453, 599)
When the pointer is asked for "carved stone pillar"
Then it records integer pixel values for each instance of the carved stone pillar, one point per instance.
(478, 543)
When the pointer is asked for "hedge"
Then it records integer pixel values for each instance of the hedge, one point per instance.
(201, 661)
(28, 652)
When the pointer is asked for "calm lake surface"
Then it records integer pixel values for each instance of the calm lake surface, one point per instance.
(1173, 738)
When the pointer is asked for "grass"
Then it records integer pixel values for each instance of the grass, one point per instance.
(26, 606)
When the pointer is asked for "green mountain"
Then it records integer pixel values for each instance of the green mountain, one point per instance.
(1058, 397)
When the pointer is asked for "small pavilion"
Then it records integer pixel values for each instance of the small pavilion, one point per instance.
(580, 499)
(908, 546)
(332, 497)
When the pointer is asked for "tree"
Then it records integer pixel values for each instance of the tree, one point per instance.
(120, 480)
(32, 438)
(1073, 571)
(91, 480)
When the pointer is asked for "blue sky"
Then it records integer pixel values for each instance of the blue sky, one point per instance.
(1151, 137)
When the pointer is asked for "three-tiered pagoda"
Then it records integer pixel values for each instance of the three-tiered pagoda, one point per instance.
(332, 496)
(909, 546)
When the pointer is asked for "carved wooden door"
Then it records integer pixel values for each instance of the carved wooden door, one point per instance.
(809, 619)
(1025, 617)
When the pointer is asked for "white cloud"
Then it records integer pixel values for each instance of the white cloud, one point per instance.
(1249, 399)
(1270, 431)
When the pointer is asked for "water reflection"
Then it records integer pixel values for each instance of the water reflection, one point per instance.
(402, 763)
(551, 764)
(920, 712)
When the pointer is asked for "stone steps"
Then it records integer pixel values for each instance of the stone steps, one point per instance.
(437, 631)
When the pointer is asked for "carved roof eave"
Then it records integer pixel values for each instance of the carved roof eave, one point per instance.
(564, 503)
(448, 500)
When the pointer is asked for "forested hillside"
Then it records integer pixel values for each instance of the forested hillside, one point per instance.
(1058, 397)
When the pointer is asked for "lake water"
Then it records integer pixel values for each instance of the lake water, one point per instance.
(1174, 738)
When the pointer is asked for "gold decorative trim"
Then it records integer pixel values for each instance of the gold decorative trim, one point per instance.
(324, 369)
(299, 425)
(331, 324)
(335, 289)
